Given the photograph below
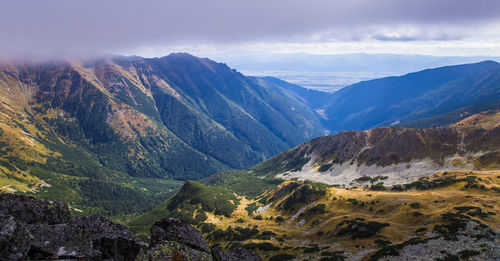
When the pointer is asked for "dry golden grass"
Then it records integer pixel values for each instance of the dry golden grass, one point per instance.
(389, 207)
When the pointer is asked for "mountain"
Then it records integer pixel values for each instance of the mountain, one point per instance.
(381, 194)
(398, 155)
(411, 97)
(111, 135)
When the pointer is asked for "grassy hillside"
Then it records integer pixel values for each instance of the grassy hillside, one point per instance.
(313, 221)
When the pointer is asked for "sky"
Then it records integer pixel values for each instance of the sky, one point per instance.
(157, 27)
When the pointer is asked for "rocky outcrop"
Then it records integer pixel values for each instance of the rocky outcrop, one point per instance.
(36, 229)
(14, 239)
(34, 211)
(172, 229)
(92, 237)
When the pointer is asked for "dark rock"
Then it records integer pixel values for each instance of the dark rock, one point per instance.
(172, 229)
(91, 237)
(170, 250)
(14, 239)
(34, 211)
(237, 253)
(218, 254)
(234, 254)
(113, 240)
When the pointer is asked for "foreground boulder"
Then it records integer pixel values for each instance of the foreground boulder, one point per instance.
(37, 229)
(31, 210)
(172, 229)
(91, 237)
(14, 239)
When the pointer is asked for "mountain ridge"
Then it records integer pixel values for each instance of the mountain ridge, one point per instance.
(414, 96)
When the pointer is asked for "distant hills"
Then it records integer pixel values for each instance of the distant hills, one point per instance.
(334, 71)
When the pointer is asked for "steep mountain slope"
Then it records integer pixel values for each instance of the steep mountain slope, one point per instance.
(314, 99)
(414, 96)
(118, 130)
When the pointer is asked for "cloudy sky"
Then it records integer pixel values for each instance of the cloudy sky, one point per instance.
(158, 27)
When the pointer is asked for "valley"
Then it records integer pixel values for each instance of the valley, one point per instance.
(249, 160)
(288, 208)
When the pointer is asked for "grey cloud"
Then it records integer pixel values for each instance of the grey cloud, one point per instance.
(111, 25)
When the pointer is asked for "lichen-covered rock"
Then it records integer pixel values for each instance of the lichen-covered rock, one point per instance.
(234, 254)
(113, 240)
(172, 229)
(91, 237)
(34, 211)
(170, 250)
(38, 229)
(14, 239)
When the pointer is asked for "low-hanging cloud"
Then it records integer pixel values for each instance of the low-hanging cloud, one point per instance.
(114, 25)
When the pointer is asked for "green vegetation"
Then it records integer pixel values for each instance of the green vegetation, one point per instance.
(189, 205)
(282, 257)
(303, 195)
(243, 182)
(358, 228)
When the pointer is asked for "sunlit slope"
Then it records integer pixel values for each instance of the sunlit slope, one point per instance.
(309, 220)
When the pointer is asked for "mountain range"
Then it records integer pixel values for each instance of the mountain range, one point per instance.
(118, 135)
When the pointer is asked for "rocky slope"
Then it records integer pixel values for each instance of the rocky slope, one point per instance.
(399, 155)
(35, 229)
(75, 129)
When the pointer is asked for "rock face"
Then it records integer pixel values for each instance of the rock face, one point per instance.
(403, 155)
(34, 211)
(172, 229)
(37, 229)
(14, 239)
